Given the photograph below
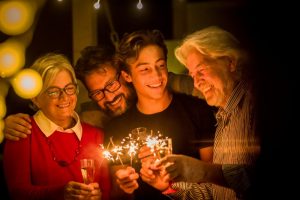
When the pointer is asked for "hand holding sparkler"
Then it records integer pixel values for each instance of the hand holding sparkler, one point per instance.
(127, 179)
(153, 175)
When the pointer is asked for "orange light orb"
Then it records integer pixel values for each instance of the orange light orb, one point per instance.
(12, 57)
(27, 83)
(16, 17)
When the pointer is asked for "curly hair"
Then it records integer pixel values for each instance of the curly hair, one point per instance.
(92, 58)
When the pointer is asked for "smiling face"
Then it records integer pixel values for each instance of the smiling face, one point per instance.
(149, 74)
(114, 103)
(59, 110)
(213, 77)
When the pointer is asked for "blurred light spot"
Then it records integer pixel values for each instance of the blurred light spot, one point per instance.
(16, 17)
(12, 57)
(97, 5)
(27, 83)
(139, 5)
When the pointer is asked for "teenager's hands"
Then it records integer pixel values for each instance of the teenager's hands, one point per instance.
(154, 176)
(127, 179)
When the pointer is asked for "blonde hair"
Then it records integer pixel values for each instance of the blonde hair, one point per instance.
(49, 65)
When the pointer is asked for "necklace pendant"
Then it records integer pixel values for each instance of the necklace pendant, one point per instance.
(62, 163)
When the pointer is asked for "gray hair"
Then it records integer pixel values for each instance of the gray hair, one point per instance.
(213, 42)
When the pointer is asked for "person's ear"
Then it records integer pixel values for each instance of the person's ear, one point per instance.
(232, 63)
(35, 102)
(126, 76)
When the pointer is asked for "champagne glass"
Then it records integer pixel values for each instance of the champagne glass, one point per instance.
(87, 167)
(163, 148)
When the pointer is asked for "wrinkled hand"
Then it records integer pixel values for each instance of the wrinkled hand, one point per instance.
(74, 190)
(185, 168)
(127, 179)
(154, 176)
(17, 126)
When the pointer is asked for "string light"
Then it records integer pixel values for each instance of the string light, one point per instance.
(139, 5)
(97, 5)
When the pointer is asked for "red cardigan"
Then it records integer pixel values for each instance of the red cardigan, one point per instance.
(31, 172)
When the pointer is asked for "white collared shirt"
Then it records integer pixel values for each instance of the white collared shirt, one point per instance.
(48, 127)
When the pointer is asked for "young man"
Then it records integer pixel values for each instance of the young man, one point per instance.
(142, 56)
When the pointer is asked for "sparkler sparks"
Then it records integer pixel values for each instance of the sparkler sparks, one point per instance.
(129, 146)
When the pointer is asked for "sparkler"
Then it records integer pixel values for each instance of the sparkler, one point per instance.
(137, 138)
(109, 154)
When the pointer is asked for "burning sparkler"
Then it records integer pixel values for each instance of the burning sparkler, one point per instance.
(129, 146)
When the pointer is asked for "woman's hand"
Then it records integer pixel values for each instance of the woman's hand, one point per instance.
(75, 190)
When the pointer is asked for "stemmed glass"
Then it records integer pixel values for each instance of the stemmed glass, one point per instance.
(163, 148)
(87, 167)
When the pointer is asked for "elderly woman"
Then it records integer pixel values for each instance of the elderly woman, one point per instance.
(46, 164)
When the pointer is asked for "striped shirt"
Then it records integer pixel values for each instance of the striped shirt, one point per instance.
(236, 147)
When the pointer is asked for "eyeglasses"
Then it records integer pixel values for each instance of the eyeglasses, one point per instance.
(55, 92)
(98, 95)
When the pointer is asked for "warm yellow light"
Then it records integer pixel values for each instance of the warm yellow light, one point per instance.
(1, 130)
(27, 83)
(12, 57)
(16, 17)
(2, 107)
(3, 87)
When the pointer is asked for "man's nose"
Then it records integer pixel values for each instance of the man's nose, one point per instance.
(109, 96)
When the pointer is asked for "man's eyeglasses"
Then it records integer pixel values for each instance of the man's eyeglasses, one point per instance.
(55, 92)
(98, 95)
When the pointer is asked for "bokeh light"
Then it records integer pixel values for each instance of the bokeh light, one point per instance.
(2, 107)
(12, 57)
(27, 83)
(16, 17)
